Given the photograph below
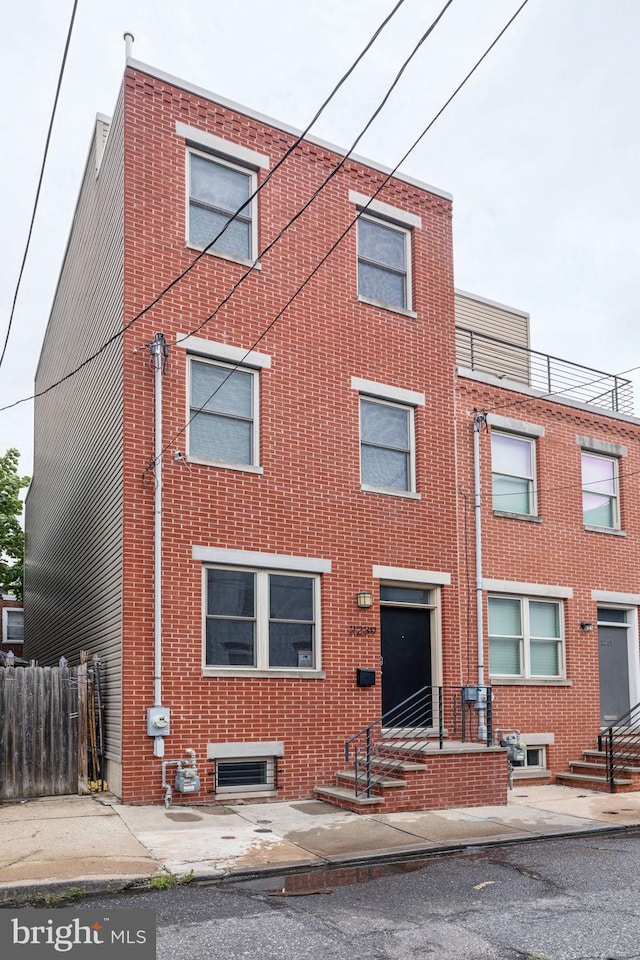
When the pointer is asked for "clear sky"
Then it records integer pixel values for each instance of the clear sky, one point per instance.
(541, 150)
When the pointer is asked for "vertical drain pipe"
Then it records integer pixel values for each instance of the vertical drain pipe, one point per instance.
(158, 352)
(479, 419)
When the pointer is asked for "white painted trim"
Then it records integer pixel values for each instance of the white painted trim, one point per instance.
(224, 351)
(608, 596)
(510, 425)
(221, 147)
(268, 561)
(410, 575)
(263, 118)
(385, 210)
(551, 591)
(266, 748)
(386, 392)
(5, 623)
(594, 445)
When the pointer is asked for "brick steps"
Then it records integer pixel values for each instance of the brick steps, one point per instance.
(593, 782)
(591, 771)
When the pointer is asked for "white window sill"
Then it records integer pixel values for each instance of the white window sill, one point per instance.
(517, 516)
(529, 682)
(609, 530)
(389, 306)
(403, 494)
(251, 673)
(242, 467)
(254, 264)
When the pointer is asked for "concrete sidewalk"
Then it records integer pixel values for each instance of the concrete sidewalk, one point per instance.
(94, 843)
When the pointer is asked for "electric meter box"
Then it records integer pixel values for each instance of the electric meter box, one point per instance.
(158, 721)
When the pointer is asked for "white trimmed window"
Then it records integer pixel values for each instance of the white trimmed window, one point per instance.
(223, 413)
(261, 620)
(384, 263)
(387, 445)
(525, 638)
(13, 625)
(600, 500)
(245, 775)
(217, 189)
(513, 473)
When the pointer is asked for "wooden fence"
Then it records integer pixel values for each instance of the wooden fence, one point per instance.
(43, 731)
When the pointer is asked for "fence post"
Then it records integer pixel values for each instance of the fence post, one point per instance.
(83, 784)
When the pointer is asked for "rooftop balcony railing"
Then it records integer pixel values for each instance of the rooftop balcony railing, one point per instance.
(542, 372)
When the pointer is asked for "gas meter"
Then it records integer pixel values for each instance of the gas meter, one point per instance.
(187, 780)
(515, 748)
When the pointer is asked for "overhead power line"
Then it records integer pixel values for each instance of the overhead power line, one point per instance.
(40, 178)
(344, 233)
(197, 259)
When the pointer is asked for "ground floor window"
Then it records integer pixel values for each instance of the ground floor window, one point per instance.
(261, 619)
(525, 637)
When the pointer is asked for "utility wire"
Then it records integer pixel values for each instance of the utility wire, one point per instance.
(330, 176)
(196, 260)
(344, 233)
(40, 178)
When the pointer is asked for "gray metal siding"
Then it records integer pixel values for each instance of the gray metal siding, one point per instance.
(73, 580)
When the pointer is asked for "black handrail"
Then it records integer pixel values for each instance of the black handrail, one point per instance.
(377, 754)
(621, 744)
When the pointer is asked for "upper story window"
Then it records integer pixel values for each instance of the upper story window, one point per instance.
(386, 445)
(525, 638)
(13, 625)
(513, 473)
(217, 189)
(384, 263)
(600, 499)
(223, 413)
(261, 619)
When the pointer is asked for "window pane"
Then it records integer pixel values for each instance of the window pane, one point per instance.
(598, 474)
(609, 615)
(511, 455)
(291, 598)
(221, 389)
(376, 283)
(230, 593)
(230, 643)
(405, 595)
(241, 773)
(597, 511)
(15, 626)
(205, 225)
(220, 438)
(511, 494)
(504, 617)
(504, 657)
(384, 425)
(534, 756)
(291, 645)
(545, 660)
(544, 619)
(385, 468)
(381, 243)
(219, 185)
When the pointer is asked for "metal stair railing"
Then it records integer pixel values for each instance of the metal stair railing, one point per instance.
(380, 749)
(620, 743)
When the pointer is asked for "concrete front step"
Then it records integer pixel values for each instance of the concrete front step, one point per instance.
(346, 798)
(377, 779)
(600, 768)
(622, 756)
(592, 782)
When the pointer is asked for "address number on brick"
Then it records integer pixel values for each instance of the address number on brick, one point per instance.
(358, 630)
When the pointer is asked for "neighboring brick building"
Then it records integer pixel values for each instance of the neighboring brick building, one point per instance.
(320, 462)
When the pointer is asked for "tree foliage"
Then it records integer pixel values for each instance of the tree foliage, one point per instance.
(11, 533)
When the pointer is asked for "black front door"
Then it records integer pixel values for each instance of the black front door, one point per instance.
(406, 663)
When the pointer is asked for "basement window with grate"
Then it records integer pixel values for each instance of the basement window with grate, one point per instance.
(246, 775)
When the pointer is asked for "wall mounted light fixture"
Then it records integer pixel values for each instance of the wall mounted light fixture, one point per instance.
(586, 626)
(364, 599)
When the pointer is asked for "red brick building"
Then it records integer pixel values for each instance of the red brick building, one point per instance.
(316, 559)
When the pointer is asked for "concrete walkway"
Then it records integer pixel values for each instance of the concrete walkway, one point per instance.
(94, 843)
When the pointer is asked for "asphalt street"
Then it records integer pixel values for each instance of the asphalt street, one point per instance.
(565, 899)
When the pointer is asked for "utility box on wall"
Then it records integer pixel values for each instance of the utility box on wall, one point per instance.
(365, 678)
